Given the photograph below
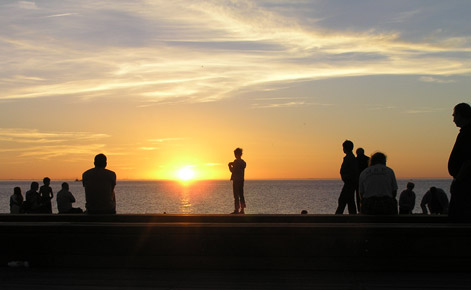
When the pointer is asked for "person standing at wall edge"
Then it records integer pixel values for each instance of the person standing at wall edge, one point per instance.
(459, 166)
(237, 169)
(349, 175)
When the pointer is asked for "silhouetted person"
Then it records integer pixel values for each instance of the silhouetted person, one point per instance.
(45, 191)
(99, 186)
(459, 166)
(378, 187)
(65, 199)
(33, 202)
(363, 162)
(407, 199)
(304, 211)
(436, 201)
(349, 174)
(237, 168)
(16, 201)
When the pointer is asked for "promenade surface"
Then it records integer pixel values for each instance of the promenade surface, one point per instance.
(101, 279)
(234, 252)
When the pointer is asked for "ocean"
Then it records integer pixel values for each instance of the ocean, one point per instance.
(317, 196)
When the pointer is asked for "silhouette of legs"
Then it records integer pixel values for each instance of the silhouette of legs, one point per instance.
(347, 197)
(239, 200)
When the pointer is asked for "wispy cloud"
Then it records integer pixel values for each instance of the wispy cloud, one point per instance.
(406, 15)
(198, 51)
(279, 105)
(379, 107)
(164, 140)
(45, 145)
(425, 110)
(27, 136)
(61, 15)
(213, 164)
(45, 152)
(26, 5)
(284, 102)
(429, 79)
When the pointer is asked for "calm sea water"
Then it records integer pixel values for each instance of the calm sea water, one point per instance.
(215, 196)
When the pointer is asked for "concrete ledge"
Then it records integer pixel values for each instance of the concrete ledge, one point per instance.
(324, 242)
(224, 218)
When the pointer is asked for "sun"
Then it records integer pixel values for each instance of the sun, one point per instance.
(186, 174)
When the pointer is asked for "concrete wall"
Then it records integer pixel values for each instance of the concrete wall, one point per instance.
(237, 242)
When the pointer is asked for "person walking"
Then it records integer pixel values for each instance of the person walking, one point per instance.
(349, 175)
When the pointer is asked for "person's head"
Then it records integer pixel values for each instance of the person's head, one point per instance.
(433, 189)
(100, 161)
(238, 152)
(347, 146)
(360, 152)
(34, 186)
(65, 186)
(378, 158)
(46, 181)
(17, 191)
(462, 115)
(410, 185)
(304, 211)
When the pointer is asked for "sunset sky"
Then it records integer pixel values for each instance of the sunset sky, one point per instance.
(159, 86)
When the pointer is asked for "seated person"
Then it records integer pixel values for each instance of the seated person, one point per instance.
(436, 200)
(32, 203)
(407, 199)
(65, 200)
(99, 184)
(378, 187)
(16, 201)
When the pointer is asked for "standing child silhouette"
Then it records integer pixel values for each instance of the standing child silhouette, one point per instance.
(237, 167)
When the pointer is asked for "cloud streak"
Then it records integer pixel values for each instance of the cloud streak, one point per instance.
(27, 143)
(197, 51)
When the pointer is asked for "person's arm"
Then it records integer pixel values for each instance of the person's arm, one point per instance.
(444, 201)
(413, 202)
(394, 193)
(72, 198)
(394, 185)
(423, 203)
(361, 186)
(464, 172)
(113, 187)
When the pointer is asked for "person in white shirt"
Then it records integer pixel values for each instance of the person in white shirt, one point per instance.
(378, 187)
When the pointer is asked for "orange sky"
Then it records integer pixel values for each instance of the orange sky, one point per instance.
(161, 85)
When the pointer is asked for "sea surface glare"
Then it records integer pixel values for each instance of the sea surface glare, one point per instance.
(317, 196)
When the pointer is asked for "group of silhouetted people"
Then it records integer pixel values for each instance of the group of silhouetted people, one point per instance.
(38, 199)
(376, 187)
(435, 201)
(100, 198)
(99, 184)
(370, 187)
(376, 184)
